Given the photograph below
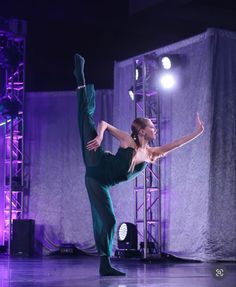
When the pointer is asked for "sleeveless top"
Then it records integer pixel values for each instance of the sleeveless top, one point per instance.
(113, 169)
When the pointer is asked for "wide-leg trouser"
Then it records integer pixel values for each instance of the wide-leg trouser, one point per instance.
(104, 221)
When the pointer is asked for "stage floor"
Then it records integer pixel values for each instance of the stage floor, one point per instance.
(83, 272)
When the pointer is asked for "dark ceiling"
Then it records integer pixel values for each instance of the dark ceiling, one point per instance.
(105, 31)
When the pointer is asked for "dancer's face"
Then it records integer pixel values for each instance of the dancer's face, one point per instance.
(150, 131)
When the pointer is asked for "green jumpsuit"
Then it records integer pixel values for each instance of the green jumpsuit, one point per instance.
(103, 170)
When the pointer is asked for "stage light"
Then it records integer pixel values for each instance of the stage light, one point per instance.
(169, 71)
(123, 230)
(167, 81)
(134, 96)
(166, 63)
(131, 93)
(171, 61)
(127, 241)
(127, 236)
(136, 74)
(138, 70)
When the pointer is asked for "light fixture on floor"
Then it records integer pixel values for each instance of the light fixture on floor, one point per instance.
(127, 240)
(127, 236)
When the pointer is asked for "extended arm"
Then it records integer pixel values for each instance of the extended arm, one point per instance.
(165, 149)
(120, 135)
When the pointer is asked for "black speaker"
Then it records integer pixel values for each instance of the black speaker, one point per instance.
(23, 237)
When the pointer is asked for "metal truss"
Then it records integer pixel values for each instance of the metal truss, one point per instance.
(12, 68)
(147, 186)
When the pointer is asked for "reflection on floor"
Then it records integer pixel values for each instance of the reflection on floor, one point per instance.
(83, 272)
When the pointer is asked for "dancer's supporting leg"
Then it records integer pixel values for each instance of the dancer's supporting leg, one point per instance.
(104, 223)
(101, 204)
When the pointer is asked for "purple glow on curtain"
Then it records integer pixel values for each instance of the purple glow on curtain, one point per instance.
(1, 183)
(57, 198)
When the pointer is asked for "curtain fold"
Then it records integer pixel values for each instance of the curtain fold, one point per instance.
(221, 241)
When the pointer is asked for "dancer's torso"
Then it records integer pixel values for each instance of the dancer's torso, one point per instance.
(113, 169)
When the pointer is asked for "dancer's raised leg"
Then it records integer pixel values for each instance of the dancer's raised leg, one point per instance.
(101, 204)
(86, 108)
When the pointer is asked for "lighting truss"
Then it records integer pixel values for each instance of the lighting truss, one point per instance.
(148, 185)
(12, 65)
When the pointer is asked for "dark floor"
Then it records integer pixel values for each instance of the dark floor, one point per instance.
(83, 271)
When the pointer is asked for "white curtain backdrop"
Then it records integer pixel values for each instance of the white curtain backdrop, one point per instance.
(198, 180)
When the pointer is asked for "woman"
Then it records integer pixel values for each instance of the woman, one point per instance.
(104, 169)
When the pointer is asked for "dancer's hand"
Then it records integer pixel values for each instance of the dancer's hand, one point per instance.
(94, 144)
(200, 125)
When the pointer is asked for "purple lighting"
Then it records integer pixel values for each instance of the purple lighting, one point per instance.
(3, 123)
(12, 50)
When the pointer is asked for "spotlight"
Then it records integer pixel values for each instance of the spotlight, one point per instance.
(134, 96)
(167, 81)
(171, 61)
(123, 230)
(166, 63)
(127, 236)
(169, 71)
(136, 74)
(138, 70)
(127, 241)
(131, 93)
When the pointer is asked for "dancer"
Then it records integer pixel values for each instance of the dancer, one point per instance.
(104, 169)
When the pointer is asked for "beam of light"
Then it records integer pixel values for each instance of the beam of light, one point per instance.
(167, 81)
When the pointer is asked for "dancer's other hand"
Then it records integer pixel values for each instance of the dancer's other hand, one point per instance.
(94, 144)
(200, 124)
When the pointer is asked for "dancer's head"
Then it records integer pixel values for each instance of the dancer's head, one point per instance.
(143, 127)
